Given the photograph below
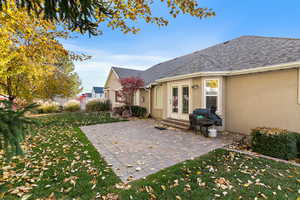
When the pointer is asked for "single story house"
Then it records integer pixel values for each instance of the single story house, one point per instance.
(97, 92)
(253, 81)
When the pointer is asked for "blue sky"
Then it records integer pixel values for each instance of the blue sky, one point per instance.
(183, 35)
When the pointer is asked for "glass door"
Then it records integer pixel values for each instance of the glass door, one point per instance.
(179, 100)
(185, 100)
(175, 99)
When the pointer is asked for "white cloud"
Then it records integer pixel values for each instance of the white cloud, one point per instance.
(94, 72)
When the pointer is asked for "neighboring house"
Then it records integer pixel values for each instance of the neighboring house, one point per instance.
(253, 81)
(97, 92)
(113, 85)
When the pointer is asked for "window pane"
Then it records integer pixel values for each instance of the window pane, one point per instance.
(175, 99)
(211, 101)
(185, 100)
(211, 87)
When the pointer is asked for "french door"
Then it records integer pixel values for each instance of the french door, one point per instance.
(179, 101)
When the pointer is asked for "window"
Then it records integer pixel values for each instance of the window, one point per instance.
(118, 97)
(158, 97)
(211, 93)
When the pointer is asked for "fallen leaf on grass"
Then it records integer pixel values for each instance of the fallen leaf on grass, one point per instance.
(26, 196)
(200, 183)
(279, 187)
(176, 183)
(187, 188)
(123, 186)
(223, 183)
(178, 197)
(263, 195)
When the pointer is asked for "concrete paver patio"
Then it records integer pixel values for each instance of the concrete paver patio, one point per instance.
(136, 149)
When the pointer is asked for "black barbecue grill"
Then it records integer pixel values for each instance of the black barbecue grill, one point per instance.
(204, 118)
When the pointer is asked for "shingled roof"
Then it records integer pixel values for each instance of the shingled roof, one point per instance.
(125, 72)
(98, 90)
(245, 52)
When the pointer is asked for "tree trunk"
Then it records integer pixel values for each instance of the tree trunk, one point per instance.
(9, 89)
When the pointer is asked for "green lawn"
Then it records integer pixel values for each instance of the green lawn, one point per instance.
(220, 175)
(61, 163)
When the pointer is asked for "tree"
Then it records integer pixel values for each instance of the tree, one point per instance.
(32, 59)
(13, 124)
(129, 86)
(62, 82)
(87, 15)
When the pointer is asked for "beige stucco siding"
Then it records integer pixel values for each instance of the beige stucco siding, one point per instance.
(112, 85)
(196, 94)
(263, 99)
(144, 99)
(159, 113)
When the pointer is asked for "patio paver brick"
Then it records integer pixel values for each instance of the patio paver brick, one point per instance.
(139, 144)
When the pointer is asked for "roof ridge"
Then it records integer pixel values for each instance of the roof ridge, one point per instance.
(127, 68)
(271, 37)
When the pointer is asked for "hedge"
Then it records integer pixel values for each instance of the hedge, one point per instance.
(278, 143)
(48, 107)
(97, 105)
(137, 111)
(297, 135)
(72, 106)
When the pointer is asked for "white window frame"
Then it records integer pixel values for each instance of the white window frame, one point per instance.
(158, 105)
(219, 95)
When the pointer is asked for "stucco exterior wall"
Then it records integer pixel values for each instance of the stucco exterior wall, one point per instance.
(196, 93)
(144, 99)
(159, 113)
(263, 99)
(112, 85)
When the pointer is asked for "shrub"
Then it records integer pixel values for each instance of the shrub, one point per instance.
(119, 110)
(275, 142)
(137, 111)
(97, 105)
(297, 136)
(72, 106)
(48, 107)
